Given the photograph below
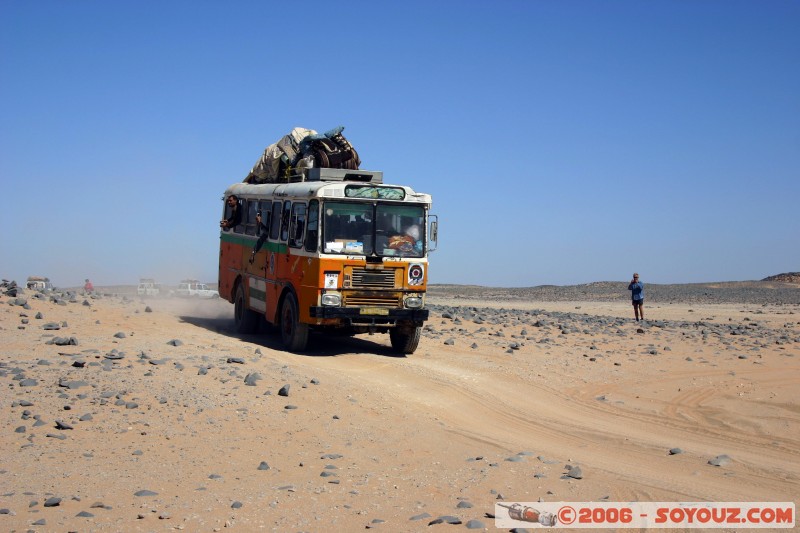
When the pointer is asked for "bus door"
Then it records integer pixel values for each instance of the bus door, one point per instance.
(283, 258)
(253, 258)
(273, 257)
(258, 255)
(303, 271)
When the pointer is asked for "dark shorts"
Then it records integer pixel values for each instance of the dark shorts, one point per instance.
(638, 302)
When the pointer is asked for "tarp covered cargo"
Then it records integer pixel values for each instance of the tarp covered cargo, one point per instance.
(302, 148)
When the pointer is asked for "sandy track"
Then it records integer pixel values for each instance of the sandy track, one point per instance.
(416, 435)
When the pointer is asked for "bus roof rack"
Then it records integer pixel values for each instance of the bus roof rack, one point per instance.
(338, 174)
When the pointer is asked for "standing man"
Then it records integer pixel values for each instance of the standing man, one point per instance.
(88, 287)
(637, 295)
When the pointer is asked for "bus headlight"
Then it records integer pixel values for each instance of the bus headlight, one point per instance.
(413, 302)
(331, 299)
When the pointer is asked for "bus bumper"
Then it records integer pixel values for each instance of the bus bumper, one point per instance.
(362, 315)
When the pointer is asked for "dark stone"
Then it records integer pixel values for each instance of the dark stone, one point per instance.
(720, 460)
(251, 380)
(575, 472)
(72, 384)
(63, 341)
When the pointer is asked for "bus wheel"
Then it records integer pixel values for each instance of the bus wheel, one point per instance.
(293, 333)
(246, 320)
(405, 339)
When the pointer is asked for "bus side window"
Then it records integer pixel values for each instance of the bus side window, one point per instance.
(275, 223)
(250, 217)
(239, 228)
(287, 208)
(312, 232)
(265, 208)
(298, 225)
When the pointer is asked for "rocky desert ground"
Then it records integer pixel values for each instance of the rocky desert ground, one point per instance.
(129, 414)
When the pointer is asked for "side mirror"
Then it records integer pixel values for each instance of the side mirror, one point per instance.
(433, 233)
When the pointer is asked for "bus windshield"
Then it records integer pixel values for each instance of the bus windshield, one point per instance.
(373, 229)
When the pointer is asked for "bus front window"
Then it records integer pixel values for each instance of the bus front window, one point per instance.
(382, 229)
(347, 228)
(400, 230)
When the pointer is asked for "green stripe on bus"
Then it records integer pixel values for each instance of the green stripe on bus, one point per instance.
(249, 242)
(258, 294)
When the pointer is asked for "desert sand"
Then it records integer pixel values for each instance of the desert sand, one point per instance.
(158, 417)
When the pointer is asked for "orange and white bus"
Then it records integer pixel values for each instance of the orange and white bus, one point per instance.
(339, 250)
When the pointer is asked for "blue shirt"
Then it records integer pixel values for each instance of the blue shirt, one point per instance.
(637, 290)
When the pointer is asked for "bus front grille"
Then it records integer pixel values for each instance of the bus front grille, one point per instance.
(373, 279)
(363, 300)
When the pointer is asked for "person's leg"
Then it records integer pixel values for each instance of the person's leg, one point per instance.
(640, 306)
(636, 310)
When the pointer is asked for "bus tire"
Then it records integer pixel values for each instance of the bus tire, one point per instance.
(246, 320)
(293, 333)
(405, 340)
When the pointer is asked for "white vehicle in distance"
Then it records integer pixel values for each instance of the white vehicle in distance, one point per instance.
(148, 287)
(195, 289)
(39, 283)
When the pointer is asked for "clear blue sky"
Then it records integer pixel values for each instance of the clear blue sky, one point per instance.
(563, 141)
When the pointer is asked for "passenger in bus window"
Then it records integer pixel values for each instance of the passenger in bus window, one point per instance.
(285, 218)
(262, 230)
(407, 242)
(414, 233)
(402, 243)
(234, 213)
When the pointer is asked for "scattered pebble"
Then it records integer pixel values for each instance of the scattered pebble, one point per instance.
(720, 460)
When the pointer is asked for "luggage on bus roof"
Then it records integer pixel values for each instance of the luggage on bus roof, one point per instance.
(302, 149)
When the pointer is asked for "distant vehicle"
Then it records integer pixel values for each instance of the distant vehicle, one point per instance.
(38, 283)
(148, 287)
(195, 289)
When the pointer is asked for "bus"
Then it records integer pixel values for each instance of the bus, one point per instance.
(330, 250)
